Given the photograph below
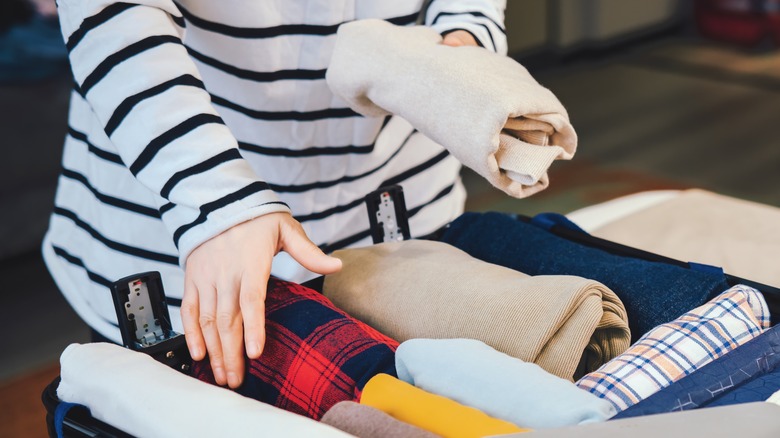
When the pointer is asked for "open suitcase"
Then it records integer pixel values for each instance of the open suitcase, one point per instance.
(77, 421)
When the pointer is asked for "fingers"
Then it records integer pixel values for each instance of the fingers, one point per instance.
(213, 322)
(231, 333)
(223, 310)
(305, 252)
(189, 319)
(208, 326)
(252, 300)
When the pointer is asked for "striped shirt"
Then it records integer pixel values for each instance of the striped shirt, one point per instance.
(192, 116)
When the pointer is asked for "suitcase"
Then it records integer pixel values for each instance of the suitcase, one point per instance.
(77, 421)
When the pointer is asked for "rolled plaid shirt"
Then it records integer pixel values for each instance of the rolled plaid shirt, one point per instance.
(315, 355)
(678, 348)
(749, 373)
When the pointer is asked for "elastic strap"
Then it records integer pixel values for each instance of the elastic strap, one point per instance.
(59, 416)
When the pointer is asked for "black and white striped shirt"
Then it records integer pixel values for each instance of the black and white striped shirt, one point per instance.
(191, 116)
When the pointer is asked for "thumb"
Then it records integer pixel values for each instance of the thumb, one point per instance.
(304, 251)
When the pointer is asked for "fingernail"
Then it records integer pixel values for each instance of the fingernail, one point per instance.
(233, 381)
(253, 349)
(219, 375)
(196, 353)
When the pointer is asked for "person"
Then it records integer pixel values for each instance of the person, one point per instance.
(205, 144)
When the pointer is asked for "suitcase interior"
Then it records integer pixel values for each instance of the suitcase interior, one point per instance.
(78, 422)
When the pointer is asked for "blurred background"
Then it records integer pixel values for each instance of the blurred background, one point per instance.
(664, 94)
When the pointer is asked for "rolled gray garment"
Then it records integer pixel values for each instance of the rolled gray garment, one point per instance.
(367, 422)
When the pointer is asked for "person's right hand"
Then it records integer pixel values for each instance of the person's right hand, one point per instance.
(223, 307)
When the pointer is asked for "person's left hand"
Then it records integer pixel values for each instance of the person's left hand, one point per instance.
(459, 38)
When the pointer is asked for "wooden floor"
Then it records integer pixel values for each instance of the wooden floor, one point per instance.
(21, 412)
(673, 115)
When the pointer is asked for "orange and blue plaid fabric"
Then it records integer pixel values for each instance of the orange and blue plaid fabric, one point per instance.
(673, 350)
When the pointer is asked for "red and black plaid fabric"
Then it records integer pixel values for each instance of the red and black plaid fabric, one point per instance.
(315, 354)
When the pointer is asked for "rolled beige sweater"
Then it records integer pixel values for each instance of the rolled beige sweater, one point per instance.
(484, 108)
(423, 289)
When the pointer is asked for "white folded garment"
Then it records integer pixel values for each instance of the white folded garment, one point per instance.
(133, 392)
(774, 398)
(485, 108)
(472, 373)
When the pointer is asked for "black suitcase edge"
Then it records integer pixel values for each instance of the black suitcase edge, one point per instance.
(77, 421)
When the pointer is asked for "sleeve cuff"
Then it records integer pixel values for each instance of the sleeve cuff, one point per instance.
(226, 218)
(485, 38)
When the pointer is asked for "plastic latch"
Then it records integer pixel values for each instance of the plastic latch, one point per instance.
(144, 321)
(387, 215)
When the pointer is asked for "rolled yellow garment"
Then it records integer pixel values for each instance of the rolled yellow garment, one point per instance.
(431, 412)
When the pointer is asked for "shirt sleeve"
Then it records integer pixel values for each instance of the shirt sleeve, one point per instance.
(482, 18)
(130, 64)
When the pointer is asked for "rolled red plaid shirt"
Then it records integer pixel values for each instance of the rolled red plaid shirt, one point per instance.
(315, 354)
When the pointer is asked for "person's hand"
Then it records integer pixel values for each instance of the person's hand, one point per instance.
(459, 38)
(225, 282)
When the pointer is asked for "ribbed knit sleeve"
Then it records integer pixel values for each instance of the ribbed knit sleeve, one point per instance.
(130, 65)
(482, 18)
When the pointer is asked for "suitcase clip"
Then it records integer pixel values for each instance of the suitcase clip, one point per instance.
(387, 215)
(144, 321)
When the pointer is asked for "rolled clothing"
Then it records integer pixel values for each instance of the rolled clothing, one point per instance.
(315, 355)
(473, 374)
(142, 397)
(427, 289)
(676, 349)
(431, 412)
(749, 373)
(366, 422)
(652, 293)
(483, 107)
